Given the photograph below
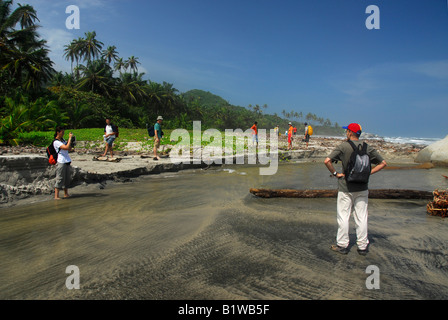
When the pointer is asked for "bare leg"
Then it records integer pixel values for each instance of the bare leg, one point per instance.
(56, 194)
(155, 151)
(105, 151)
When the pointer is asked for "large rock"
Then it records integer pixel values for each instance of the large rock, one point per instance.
(436, 153)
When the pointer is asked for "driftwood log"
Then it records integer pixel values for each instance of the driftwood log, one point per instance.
(373, 193)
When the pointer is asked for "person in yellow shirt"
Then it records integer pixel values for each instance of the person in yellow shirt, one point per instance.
(290, 133)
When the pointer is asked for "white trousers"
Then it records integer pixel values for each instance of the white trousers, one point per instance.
(357, 203)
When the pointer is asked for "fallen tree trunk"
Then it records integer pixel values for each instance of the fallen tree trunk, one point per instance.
(427, 165)
(373, 194)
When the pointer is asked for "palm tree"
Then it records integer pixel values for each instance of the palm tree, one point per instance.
(79, 115)
(119, 65)
(61, 79)
(23, 56)
(72, 52)
(156, 95)
(170, 96)
(27, 16)
(132, 63)
(110, 54)
(90, 47)
(35, 67)
(131, 87)
(96, 77)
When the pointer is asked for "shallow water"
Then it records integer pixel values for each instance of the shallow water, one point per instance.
(200, 235)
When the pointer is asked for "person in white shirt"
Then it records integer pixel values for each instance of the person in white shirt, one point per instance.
(63, 172)
(110, 133)
(307, 135)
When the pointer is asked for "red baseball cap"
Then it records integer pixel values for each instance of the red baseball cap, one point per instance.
(356, 128)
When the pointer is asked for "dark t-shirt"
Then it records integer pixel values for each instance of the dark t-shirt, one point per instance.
(342, 153)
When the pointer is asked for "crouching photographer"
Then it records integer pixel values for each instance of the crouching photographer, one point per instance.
(63, 169)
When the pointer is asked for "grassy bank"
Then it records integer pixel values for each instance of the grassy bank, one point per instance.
(138, 140)
(91, 135)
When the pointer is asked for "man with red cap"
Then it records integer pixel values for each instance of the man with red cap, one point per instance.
(352, 195)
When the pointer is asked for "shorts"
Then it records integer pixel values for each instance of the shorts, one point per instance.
(255, 138)
(157, 143)
(110, 141)
(307, 138)
(289, 138)
(63, 175)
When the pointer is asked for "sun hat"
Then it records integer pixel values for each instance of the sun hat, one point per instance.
(356, 128)
(159, 118)
(290, 123)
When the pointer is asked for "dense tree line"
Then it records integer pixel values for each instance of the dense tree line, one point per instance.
(34, 96)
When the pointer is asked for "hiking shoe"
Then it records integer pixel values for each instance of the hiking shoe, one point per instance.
(362, 252)
(339, 249)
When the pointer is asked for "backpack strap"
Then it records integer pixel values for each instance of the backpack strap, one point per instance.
(59, 149)
(364, 148)
(353, 145)
(361, 149)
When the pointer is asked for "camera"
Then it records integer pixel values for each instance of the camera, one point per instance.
(73, 141)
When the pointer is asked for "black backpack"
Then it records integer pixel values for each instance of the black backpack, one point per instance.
(151, 131)
(52, 154)
(359, 166)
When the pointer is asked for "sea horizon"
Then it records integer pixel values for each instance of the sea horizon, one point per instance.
(422, 141)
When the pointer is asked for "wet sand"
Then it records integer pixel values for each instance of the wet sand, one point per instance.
(199, 234)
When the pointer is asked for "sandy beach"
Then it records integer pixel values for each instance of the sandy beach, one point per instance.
(145, 229)
(199, 234)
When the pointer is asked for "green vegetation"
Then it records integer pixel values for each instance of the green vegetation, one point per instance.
(35, 98)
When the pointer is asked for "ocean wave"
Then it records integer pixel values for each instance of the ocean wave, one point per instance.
(412, 140)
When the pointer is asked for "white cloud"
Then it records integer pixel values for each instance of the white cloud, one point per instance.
(56, 40)
(433, 69)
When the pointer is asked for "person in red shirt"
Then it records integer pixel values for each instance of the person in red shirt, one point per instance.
(290, 133)
(255, 133)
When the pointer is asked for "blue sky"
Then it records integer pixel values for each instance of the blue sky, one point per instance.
(304, 55)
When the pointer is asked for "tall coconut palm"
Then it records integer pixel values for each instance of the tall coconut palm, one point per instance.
(119, 65)
(90, 47)
(28, 16)
(72, 51)
(110, 54)
(132, 63)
